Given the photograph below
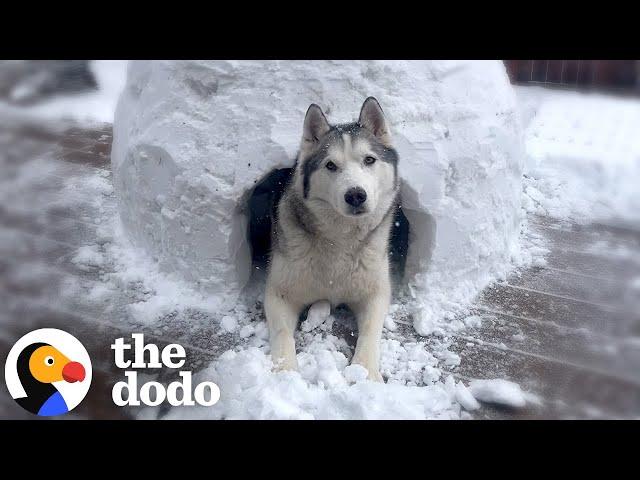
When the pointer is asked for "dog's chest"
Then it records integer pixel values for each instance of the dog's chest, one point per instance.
(336, 272)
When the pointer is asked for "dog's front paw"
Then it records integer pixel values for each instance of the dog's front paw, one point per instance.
(375, 376)
(285, 364)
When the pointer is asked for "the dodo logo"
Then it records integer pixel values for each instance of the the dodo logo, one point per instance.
(48, 372)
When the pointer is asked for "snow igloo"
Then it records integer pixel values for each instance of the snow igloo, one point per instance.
(193, 139)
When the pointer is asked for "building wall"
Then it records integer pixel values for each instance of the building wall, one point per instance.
(600, 74)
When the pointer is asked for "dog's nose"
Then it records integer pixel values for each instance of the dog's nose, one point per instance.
(355, 196)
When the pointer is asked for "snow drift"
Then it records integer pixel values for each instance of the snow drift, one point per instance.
(193, 138)
(583, 155)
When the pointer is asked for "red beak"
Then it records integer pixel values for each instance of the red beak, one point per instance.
(73, 372)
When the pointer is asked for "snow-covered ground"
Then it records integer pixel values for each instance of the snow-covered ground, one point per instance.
(326, 387)
(87, 107)
(584, 160)
(584, 154)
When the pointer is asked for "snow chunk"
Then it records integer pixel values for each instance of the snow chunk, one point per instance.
(502, 392)
(390, 324)
(247, 331)
(318, 313)
(355, 373)
(465, 398)
(228, 324)
(461, 393)
(473, 321)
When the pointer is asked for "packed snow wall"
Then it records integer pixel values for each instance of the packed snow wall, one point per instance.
(193, 138)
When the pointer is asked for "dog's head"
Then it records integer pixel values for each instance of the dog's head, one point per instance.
(352, 167)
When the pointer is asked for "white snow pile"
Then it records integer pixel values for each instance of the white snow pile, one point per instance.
(138, 296)
(87, 107)
(501, 392)
(136, 292)
(325, 388)
(191, 139)
(584, 155)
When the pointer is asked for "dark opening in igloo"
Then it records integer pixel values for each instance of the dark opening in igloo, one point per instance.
(262, 203)
(262, 207)
(399, 244)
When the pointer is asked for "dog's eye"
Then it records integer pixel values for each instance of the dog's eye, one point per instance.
(331, 166)
(369, 160)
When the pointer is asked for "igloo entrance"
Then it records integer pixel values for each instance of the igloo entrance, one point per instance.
(261, 204)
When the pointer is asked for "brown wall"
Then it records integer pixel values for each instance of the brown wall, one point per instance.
(608, 74)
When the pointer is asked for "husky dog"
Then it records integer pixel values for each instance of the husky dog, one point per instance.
(330, 239)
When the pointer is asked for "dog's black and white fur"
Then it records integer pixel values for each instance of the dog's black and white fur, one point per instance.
(330, 240)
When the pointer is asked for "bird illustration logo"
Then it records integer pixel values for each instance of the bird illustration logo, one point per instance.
(48, 372)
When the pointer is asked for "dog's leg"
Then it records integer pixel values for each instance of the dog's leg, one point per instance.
(282, 319)
(370, 317)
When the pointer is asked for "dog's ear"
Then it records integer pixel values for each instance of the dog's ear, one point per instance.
(372, 118)
(315, 127)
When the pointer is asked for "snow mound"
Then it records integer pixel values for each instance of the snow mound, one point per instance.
(499, 391)
(192, 139)
(249, 390)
